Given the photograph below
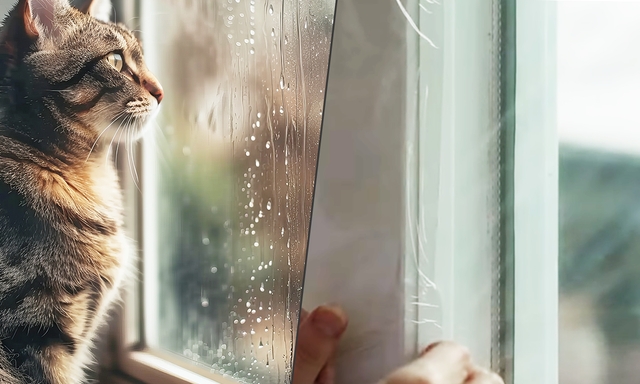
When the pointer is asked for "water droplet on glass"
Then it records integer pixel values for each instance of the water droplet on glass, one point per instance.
(271, 9)
(205, 241)
(214, 269)
(268, 145)
(257, 163)
(281, 81)
(205, 303)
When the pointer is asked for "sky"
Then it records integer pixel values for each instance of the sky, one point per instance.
(598, 74)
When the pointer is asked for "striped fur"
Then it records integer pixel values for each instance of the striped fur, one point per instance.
(63, 251)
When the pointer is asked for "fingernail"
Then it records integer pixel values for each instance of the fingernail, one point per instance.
(328, 322)
(430, 348)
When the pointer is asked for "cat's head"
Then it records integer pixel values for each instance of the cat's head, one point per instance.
(87, 72)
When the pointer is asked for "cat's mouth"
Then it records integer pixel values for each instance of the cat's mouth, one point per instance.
(141, 108)
(131, 123)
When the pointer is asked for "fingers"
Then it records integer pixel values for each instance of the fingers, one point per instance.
(483, 376)
(449, 362)
(328, 373)
(318, 337)
(443, 363)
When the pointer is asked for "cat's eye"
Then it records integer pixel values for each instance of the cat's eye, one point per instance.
(115, 60)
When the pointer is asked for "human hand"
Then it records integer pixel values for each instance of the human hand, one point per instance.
(318, 336)
(443, 363)
(440, 363)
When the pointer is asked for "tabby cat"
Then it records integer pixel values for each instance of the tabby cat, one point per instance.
(71, 84)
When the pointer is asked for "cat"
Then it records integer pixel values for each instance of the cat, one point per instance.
(72, 83)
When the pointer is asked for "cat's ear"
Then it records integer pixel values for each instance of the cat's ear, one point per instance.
(39, 15)
(100, 9)
(28, 20)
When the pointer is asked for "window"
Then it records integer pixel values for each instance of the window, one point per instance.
(476, 181)
(221, 189)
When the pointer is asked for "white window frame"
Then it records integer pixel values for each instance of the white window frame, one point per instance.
(535, 356)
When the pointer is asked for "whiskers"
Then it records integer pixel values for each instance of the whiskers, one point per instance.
(126, 129)
(131, 156)
(125, 133)
(129, 128)
(118, 116)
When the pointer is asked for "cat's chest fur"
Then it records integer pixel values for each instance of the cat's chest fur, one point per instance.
(63, 238)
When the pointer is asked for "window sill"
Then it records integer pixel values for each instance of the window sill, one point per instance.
(163, 368)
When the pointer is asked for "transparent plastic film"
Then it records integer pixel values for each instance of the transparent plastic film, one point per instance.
(231, 167)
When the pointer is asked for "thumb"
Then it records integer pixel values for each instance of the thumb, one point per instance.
(317, 340)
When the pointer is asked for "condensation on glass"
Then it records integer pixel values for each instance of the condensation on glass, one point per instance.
(235, 161)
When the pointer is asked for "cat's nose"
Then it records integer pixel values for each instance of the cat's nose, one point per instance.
(153, 86)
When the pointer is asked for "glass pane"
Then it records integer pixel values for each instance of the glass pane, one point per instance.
(228, 177)
(598, 92)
